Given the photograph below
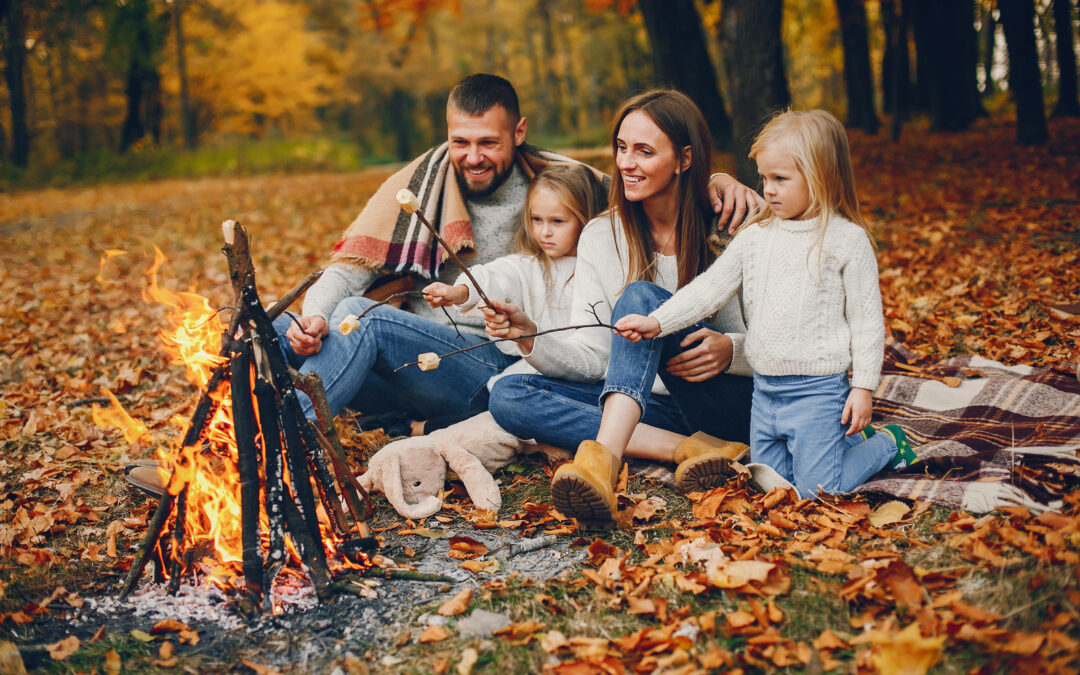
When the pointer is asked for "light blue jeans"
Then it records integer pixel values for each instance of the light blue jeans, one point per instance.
(358, 369)
(564, 413)
(795, 428)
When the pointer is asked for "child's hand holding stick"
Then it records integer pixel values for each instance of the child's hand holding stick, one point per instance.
(634, 327)
(508, 321)
(439, 294)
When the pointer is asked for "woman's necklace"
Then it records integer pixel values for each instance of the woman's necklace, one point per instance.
(661, 249)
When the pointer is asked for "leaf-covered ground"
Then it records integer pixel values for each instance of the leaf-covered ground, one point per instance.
(978, 238)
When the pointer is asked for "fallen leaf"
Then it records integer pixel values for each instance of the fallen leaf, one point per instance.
(553, 641)
(888, 513)
(906, 652)
(113, 664)
(168, 626)
(259, 668)
(457, 604)
(434, 634)
(64, 648)
(11, 662)
(468, 660)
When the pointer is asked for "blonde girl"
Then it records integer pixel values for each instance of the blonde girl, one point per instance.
(805, 266)
(536, 279)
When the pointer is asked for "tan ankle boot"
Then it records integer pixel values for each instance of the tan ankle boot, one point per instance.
(585, 488)
(704, 462)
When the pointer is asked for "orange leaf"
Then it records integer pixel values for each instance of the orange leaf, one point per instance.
(434, 634)
(457, 604)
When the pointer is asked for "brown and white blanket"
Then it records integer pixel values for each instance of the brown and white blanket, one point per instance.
(385, 238)
(1006, 435)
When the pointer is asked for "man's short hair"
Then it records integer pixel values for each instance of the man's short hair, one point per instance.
(478, 93)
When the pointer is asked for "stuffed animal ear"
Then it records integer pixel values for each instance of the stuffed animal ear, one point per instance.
(478, 482)
(393, 488)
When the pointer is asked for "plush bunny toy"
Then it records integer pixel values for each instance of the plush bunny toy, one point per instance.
(411, 471)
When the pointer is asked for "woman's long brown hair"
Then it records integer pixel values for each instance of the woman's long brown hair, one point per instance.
(681, 121)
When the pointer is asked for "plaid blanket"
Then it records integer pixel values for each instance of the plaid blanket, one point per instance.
(1003, 436)
(385, 238)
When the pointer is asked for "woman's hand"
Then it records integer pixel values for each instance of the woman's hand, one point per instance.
(733, 201)
(439, 294)
(507, 320)
(305, 334)
(705, 361)
(633, 327)
(858, 408)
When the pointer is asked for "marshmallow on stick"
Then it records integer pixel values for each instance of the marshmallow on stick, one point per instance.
(409, 204)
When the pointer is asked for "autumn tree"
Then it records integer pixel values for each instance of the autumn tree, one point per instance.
(945, 47)
(858, 78)
(135, 40)
(681, 59)
(1017, 18)
(13, 43)
(752, 46)
(1068, 105)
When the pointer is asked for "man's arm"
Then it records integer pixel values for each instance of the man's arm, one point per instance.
(337, 283)
(733, 201)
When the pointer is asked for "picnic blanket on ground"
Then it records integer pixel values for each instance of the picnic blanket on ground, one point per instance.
(385, 238)
(1005, 436)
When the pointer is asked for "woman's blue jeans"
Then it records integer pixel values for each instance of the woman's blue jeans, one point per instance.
(358, 369)
(564, 414)
(795, 428)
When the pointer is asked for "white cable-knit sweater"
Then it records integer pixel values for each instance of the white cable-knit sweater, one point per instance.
(520, 279)
(807, 315)
(582, 355)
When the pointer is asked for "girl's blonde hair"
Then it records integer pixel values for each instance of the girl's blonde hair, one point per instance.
(576, 188)
(682, 122)
(818, 145)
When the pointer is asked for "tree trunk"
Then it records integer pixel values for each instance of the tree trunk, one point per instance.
(750, 36)
(143, 83)
(552, 86)
(14, 50)
(989, 42)
(681, 60)
(858, 80)
(895, 71)
(945, 47)
(187, 123)
(400, 104)
(1068, 105)
(1017, 18)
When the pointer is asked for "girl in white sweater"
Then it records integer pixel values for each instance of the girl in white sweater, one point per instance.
(537, 279)
(808, 276)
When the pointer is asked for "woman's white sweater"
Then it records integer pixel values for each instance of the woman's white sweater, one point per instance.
(582, 355)
(808, 314)
(521, 280)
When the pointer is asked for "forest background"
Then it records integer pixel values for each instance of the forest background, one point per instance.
(100, 89)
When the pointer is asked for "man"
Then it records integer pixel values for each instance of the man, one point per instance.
(472, 189)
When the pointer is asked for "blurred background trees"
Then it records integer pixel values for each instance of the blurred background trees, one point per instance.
(87, 78)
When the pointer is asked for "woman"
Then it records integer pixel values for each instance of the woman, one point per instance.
(652, 241)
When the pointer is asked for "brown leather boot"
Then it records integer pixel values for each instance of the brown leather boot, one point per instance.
(704, 462)
(585, 488)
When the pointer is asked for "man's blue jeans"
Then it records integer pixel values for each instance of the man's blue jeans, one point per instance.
(564, 413)
(358, 369)
(795, 429)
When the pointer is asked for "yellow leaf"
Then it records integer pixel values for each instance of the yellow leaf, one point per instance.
(11, 659)
(553, 640)
(906, 652)
(888, 513)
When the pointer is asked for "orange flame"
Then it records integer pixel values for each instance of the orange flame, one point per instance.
(209, 472)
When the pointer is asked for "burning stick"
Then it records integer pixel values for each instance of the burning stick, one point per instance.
(245, 427)
(408, 203)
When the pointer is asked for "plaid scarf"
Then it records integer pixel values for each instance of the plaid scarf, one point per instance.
(385, 238)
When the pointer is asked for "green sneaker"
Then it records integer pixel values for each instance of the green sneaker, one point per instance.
(867, 432)
(905, 456)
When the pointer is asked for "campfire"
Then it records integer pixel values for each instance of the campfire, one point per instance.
(253, 487)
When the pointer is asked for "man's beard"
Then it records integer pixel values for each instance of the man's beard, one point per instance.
(496, 182)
